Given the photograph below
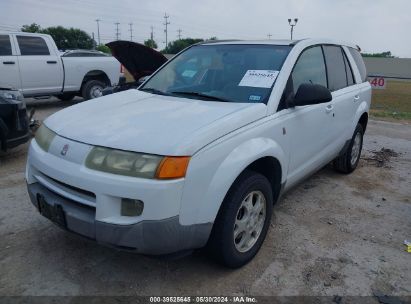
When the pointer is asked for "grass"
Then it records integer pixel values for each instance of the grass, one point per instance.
(393, 103)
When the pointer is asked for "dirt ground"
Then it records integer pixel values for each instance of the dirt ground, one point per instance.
(332, 235)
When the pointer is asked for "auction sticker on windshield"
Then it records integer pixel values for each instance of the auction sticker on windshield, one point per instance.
(259, 78)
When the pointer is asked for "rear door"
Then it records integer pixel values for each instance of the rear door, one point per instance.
(345, 94)
(40, 66)
(9, 68)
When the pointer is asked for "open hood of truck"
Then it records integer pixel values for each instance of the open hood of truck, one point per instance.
(137, 58)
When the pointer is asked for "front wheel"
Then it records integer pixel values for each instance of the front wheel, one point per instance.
(92, 89)
(347, 162)
(243, 220)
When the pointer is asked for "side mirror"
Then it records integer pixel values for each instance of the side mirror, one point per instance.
(310, 94)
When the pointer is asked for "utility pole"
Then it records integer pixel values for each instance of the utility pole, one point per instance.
(131, 31)
(98, 31)
(117, 31)
(166, 23)
(152, 33)
(269, 36)
(179, 33)
(292, 25)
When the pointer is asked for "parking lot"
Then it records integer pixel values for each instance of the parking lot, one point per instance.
(333, 234)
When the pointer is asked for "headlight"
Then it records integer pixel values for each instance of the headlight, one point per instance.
(11, 95)
(44, 137)
(136, 164)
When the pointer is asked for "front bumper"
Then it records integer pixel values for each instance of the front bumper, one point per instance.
(91, 202)
(157, 237)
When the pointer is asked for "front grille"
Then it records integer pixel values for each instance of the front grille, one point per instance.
(70, 192)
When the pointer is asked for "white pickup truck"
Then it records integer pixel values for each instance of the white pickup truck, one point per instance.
(32, 63)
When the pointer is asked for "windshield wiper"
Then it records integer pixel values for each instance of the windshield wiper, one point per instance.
(154, 91)
(198, 94)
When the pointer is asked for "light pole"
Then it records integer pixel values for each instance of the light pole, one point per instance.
(290, 22)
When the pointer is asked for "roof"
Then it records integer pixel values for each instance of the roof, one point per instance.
(306, 41)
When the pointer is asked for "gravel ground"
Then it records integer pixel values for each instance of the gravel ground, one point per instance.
(332, 234)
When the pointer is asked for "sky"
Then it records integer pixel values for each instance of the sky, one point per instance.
(374, 25)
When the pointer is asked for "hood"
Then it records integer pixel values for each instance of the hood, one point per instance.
(141, 122)
(137, 58)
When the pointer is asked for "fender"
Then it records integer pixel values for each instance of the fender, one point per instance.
(203, 197)
(362, 108)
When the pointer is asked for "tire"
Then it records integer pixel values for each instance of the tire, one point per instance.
(92, 89)
(233, 251)
(66, 96)
(347, 162)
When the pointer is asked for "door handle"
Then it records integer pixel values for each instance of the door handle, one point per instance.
(51, 62)
(356, 97)
(8, 62)
(329, 108)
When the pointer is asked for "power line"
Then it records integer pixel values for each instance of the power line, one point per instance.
(179, 33)
(117, 31)
(166, 23)
(98, 30)
(131, 31)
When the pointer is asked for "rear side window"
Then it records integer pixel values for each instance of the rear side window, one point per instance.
(360, 63)
(5, 45)
(348, 69)
(310, 68)
(32, 46)
(337, 76)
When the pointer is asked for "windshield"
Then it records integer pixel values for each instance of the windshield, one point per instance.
(229, 73)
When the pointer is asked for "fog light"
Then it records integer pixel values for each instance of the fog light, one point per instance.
(131, 207)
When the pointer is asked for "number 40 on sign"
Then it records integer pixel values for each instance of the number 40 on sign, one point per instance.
(377, 82)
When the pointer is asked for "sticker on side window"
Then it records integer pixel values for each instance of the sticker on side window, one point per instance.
(189, 73)
(259, 78)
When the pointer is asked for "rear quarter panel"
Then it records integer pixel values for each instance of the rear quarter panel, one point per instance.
(76, 68)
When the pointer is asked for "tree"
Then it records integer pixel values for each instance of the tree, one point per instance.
(70, 38)
(32, 28)
(379, 55)
(150, 43)
(103, 48)
(65, 38)
(179, 45)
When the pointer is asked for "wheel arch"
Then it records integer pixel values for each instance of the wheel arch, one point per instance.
(96, 75)
(363, 121)
(258, 154)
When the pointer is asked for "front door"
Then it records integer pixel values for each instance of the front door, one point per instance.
(309, 128)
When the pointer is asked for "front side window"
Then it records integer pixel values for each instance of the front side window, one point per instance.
(230, 73)
(337, 77)
(32, 46)
(5, 45)
(310, 68)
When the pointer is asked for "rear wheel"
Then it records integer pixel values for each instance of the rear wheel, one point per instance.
(347, 162)
(92, 89)
(243, 220)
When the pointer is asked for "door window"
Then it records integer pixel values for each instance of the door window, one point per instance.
(5, 45)
(337, 76)
(310, 68)
(32, 46)
(350, 75)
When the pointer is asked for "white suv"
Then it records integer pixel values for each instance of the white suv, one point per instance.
(202, 150)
